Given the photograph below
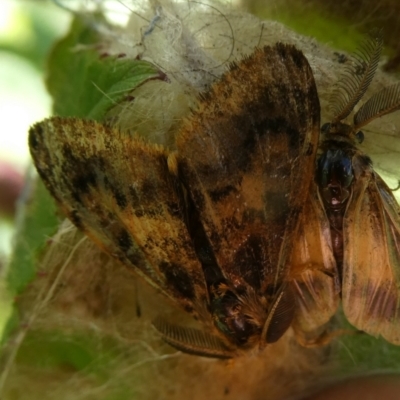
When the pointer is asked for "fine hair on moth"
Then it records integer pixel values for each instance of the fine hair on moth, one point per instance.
(250, 224)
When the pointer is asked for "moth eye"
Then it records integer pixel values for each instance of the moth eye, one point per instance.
(325, 128)
(237, 308)
(360, 136)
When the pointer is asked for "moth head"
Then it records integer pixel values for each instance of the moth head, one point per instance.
(248, 320)
(351, 89)
(231, 315)
(241, 322)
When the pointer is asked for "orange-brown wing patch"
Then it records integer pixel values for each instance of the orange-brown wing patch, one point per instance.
(314, 275)
(120, 192)
(247, 155)
(371, 265)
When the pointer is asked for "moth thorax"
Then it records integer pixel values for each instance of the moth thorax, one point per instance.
(341, 132)
(334, 176)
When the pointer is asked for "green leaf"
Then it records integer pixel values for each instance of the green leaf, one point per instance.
(85, 85)
(131, 75)
(55, 349)
(36, 222)
(359, 352)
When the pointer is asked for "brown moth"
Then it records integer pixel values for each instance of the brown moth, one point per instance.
(212, 224)
(353, 216)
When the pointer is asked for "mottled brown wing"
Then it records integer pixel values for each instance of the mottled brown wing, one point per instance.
(247, 155)
(314, 274)
(120, 192)
(371, 265)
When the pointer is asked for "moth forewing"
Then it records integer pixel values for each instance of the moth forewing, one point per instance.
(119, 191)
(247, 156)
(371, 264)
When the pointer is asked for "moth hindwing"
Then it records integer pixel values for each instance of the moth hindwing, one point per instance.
(212, 225)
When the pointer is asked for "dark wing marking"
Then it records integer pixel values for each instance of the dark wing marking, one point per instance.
(315, 277)
(247, 156)
(120, 192)
(371, 264)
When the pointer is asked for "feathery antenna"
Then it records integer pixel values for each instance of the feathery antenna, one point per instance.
(357, 77)
(192, 341)
(381, 103)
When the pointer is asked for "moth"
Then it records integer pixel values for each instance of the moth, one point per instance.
(231, 224)
(361, 211)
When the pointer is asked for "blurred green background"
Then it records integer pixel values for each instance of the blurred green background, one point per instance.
(28, 28)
